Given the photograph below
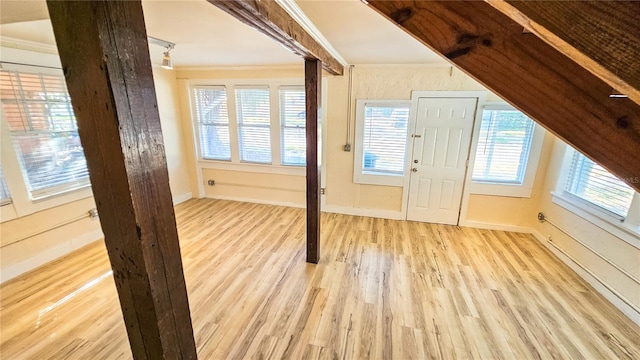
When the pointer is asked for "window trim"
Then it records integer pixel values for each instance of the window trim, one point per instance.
(359, 177)
(627, 229)
(196, 124)
(240, 125)
(22, 201)
(235, 164)
(40, 195)
(505, 188)
(282, 126)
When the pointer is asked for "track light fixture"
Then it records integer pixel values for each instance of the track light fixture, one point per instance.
(166, 57)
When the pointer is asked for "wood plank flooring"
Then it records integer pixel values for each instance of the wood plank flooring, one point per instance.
(383, 289)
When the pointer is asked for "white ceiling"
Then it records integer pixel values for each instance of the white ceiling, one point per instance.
(206, 36)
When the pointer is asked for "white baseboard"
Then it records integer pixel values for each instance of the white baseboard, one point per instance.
(593, 280)
(49, 255)
(492, 226)
(256, 201)
(182, 198)
(375, 213)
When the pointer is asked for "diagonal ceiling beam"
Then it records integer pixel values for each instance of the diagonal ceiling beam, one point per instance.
(533, 76)
(268, 17)
(602, 36)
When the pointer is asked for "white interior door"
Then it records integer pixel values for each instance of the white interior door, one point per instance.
(441, 143)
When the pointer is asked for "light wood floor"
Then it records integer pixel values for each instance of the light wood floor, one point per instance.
(383, 289)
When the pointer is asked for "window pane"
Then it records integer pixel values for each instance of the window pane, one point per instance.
(254, 124)
(593, 183)
(384, 140)
(293, 120)
(5, 196)
(213, 123)
(503, 146)
(44, 132)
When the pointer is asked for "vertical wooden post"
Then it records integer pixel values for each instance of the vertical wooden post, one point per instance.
(312, 81)
(105, 58)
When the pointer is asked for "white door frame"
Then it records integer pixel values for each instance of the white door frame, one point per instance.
(413, 119)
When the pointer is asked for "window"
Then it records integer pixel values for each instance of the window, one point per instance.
(43, 130)
(213, 122)
(5, 196)
(503, 147)
(381, 142)
(505, 151)
(254, 124)
(292, 123)
(592, 183)
(251, 125)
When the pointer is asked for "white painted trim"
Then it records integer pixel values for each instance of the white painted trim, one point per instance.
(301, 18)
(375, 213)
(7, 212)
(256, 201)
(179, 199)
(503, 189)
(49, 255)
(359, 177)
(253, 168)
(438, 64)
(297, 67)
(592, 280)
(493, 226)
(598, 218)
(26, 45)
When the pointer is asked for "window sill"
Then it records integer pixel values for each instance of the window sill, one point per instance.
(500, 189)
(7, 212)
(599, 218)
(382, 180)
(254, 168)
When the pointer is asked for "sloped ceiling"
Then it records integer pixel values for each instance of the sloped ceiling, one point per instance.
(206, 36)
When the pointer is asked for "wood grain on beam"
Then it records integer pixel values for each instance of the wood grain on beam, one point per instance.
(271, 19)
(104, 53)
(602, 36)
(530, 74)
(312, 84)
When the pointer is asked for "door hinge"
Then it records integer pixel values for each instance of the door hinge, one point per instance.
(323, 191)
(466, 163)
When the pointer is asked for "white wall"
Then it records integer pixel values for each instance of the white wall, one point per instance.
(28, 241)
(618, 251)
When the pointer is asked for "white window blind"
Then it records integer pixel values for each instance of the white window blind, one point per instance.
(43, 129)
(213, 122)
(503, 148)
(254, 124)
(292, 122)
(384, 140)
(591, 182)
(5, 196)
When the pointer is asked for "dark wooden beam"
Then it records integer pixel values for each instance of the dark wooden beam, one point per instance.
(312, 83)
(602, 36)
(105, 57)
(530, 74)
(271, 19)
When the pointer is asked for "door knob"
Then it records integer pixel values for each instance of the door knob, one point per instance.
(414, 169)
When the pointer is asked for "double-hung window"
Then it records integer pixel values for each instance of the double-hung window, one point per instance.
(507, 148)
(254, 124)
(43, 130)
(381, 141)
(593, 184)
(292, 125)
(213, 122)
(593, 193)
